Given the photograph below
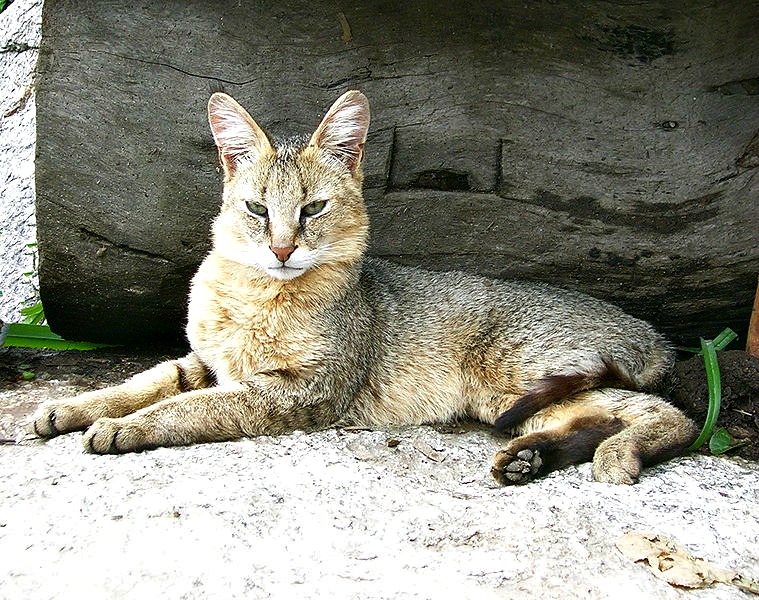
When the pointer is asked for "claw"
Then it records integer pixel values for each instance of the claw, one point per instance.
(51, 423)
(52, 430)
(90, 447)
(113, 447)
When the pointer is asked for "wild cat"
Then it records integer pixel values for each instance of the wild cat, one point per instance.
(292, 326)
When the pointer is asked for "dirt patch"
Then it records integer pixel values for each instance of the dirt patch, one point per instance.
(29, 377)
(105, 366)
(739, 374)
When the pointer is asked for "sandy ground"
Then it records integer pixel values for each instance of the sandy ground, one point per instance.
(400, 513)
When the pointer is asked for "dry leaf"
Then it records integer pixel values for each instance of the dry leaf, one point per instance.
(675, 565)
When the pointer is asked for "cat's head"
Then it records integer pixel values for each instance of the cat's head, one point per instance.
(294, 207)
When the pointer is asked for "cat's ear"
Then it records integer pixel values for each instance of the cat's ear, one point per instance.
(342, 132)
(237, 135)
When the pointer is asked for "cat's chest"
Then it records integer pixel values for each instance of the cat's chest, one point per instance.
(241, 335)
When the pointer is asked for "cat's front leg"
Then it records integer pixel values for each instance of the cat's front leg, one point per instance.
(215, 414)
(162, 381)
(211, 415)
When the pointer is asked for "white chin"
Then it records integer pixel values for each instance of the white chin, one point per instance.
(284, 273)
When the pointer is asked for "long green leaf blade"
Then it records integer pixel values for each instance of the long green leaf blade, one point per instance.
(24, 335)
(714, 385)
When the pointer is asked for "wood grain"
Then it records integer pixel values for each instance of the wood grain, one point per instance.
(609, 147)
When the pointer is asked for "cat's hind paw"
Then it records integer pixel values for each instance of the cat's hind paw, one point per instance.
(514, 469)
(616, 462)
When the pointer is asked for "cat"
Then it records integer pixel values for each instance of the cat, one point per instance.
(292, 326)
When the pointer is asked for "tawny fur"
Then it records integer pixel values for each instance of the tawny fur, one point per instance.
(292, 326)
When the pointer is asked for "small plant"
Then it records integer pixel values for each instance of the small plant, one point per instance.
(34, 314)
(26, 372)
(27, 335)
(31, 333)
(720, 441)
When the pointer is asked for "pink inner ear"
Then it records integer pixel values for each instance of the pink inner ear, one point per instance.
(235, 132)
(343, 130)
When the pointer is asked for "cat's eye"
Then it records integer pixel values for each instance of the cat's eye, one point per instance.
(256, 208)
(313, 208)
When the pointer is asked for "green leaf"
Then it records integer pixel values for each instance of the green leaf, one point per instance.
(34, 315)
(720, 442)
(725, 337)
(714, 385)
(689, 349)
(25, 335)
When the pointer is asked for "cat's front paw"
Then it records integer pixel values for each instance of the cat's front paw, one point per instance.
(513, 469)
(57, 417)
(116, 436)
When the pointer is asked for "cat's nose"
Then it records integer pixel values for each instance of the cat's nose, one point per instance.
(283, 253)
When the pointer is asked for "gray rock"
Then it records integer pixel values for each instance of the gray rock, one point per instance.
(610, 148)
(20, 26)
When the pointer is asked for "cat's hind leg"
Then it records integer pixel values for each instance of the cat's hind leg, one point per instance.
(657, 431)
(620, 430)
(568, 434)
(162, 381)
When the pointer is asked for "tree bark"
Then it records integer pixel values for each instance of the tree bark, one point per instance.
(608, 147)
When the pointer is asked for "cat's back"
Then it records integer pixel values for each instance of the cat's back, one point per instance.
(411, 297)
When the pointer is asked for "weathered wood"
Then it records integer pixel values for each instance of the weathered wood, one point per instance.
(752, 337)
(610, 148)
